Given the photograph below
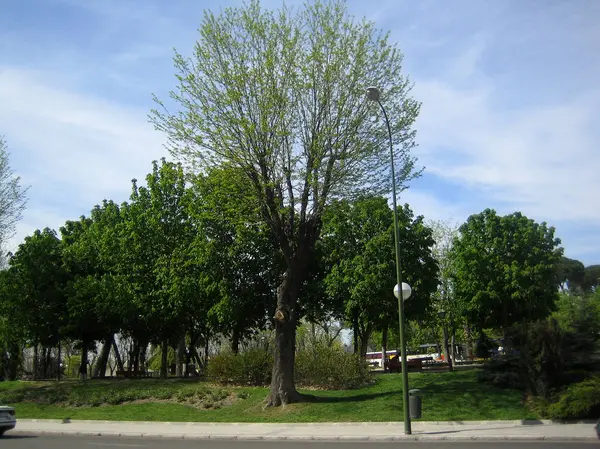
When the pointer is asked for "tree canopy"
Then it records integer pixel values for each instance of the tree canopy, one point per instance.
(280, 95)
(505, 269)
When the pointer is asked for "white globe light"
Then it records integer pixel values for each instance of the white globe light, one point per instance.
(406, 291)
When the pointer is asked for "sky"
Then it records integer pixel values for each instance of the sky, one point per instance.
(509, 90)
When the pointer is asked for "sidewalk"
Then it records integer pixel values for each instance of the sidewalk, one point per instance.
(468, 430)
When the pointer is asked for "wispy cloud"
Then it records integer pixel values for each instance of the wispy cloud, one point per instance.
(74, 149)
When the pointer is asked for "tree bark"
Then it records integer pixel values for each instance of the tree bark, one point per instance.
(206, 348)
(469, 343)
(283, 390)
(164, 360)
(235, 342)
(364, 341)
(35, 361)
(446, 348)
(355, 332)
(100, 368)
(58, 367)
(384, 339)
(141, 356)
(180, 359)
(120, 366)
(84, 361)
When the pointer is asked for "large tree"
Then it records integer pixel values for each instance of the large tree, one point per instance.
(281, 96)
(236, 252)
(360, 238)
(505, 269)
(13, 197)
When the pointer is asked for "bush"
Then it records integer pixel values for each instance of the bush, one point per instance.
(252, 367)
(317, 367)
(504, 371)
(578, 401)
(331, 368)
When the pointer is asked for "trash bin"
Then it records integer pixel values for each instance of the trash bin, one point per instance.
(414, 403)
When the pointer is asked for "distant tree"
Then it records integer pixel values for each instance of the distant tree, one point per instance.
(361, 237)
(505, 269)
(40, 281)
(591, 277)
(571, 274)
(13, 198)
(281, 96)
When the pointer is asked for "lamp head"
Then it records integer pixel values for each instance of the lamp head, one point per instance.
(373, 93)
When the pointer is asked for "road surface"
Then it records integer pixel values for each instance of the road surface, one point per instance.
(19, 441)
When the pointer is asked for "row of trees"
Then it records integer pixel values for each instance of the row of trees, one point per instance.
(188, 259)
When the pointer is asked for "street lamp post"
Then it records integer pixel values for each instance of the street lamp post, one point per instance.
(373, 94)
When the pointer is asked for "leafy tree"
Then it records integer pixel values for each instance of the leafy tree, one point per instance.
(13, 327)
(13, 197)
(571, 274)
(360, 236)
(505, 269)
(280, 95)
(591, 277)
(156, 236)
(239, 257)
(40, 280)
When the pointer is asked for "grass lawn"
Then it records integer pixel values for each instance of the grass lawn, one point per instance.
(446, 396)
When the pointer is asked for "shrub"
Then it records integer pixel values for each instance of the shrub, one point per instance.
(578, 401)
(252, 367)
(317, 367)
(330, 368)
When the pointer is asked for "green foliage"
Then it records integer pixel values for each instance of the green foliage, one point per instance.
(280, 96)
(591, 278)
(318, 366)
(39, 281)
(331, 368)
(578, 401)
(359, 238)
(571, 274)
(251, 367)
(505, 269)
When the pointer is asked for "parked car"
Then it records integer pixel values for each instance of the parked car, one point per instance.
(8, 420)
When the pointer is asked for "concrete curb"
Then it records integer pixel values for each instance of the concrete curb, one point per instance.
(414, 437)
(518, 422)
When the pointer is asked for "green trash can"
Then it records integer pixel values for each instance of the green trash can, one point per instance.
(414, 403)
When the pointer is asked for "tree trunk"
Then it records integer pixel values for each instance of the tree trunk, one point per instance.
(120, 366)
(100, 368)
(180, 359)
(13, 364)
(58, 364)
(141, 356)
(283, 390)
(384, 340)
(206, 348)
(355, 333)
(164, 360)
(35, 361)
(446, 348)
(235, 342)
(84, 361)
(364, 342)
(469, 343)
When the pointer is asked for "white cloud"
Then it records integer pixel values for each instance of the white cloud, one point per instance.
(75, 150)
(543, 160)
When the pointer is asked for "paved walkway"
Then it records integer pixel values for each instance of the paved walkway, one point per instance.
(467, 430)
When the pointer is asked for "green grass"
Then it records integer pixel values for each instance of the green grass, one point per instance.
(447, 396)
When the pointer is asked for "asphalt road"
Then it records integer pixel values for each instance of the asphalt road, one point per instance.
(74, 442)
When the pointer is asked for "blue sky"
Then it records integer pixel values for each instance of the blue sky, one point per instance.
(510, 94)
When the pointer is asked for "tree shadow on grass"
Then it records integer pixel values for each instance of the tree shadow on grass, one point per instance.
(311, 398)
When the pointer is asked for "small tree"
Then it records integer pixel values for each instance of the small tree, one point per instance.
(281, 97)
(13, 198)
